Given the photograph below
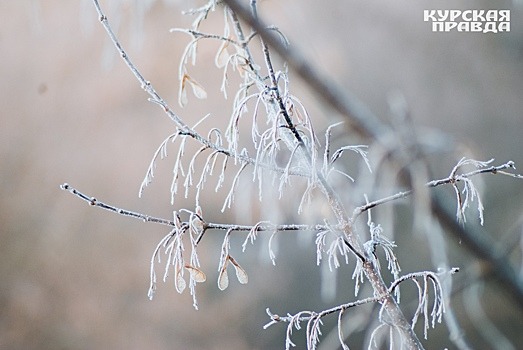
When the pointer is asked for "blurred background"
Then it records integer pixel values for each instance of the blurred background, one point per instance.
(74, 277)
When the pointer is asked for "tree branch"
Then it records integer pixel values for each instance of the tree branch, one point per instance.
(451, 179)
(360, 118)
(368, 125)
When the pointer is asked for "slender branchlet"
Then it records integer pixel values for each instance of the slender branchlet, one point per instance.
(283, 145)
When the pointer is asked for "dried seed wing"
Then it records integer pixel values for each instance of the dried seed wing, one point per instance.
(240, 272)
(222, 56)
(196, 274)
(197, 89)
(223, 278)
(182, 93)
(179, 282)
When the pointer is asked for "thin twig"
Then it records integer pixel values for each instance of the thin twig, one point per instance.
(361, 118)
(206, 226)
(157, 99)
(453, 178)
(95, 202)
(363, 121)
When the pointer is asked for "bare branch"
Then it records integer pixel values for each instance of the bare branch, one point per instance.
(451, 179)
(360, 118)
(285, 135)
